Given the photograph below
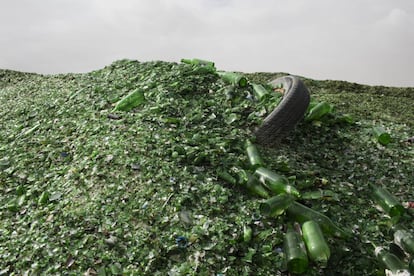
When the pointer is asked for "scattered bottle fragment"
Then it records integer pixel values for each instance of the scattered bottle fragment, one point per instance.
(43, 198)
(318, 249)
(387, 201)
(345, 118)
(247, 233)
(295, 251)
(130, 101)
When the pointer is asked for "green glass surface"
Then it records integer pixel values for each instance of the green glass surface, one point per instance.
(389, 260)
(387, 201)
(276, 183)
(276, 205)
(302, 213)
(295, 250)
(381, 135)
(318, 249)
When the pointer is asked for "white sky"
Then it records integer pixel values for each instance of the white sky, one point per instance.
(364, 41)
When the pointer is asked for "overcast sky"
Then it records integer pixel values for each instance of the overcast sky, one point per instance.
(365, 41)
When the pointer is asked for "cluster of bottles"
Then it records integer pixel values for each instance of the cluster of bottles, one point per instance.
(304, 244)
(402, 237)
(306, 241)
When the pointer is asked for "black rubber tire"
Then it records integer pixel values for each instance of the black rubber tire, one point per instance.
(287, 114)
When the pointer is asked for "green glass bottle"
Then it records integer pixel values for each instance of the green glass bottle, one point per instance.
(301, 213)
(197, 61)
(404, 239)
(276, 205)
(233, 78)
(387, 201)
(381, 135)
(247, 233)
(224, 175)
(276, 183)
(130, 101)
(389, 260)
(253, 155)
(259, 91)
(255, 187)
(318, 249)
(249, 181)
(295, 251)
(318, 111)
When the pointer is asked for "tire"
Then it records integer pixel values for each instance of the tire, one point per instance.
(287, 114)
